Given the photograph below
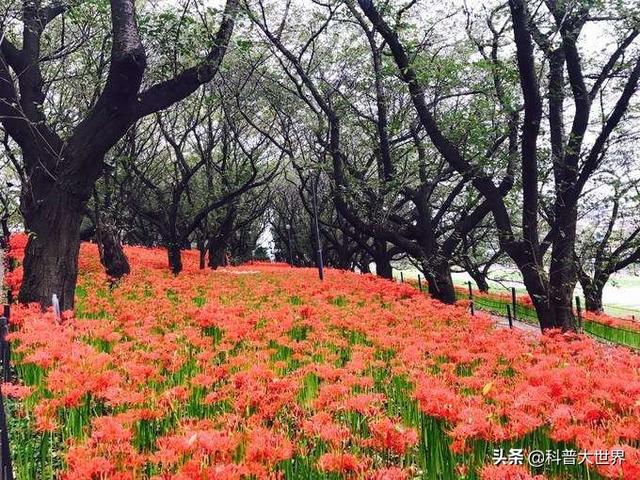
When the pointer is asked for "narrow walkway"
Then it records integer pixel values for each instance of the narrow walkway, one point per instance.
(527, 327)
(534, 330)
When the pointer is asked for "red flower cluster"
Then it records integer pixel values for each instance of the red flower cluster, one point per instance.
(265, 371)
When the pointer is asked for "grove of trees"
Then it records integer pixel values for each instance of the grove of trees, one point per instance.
(455, 135)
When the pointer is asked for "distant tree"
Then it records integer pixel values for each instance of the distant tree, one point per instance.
(609, 231)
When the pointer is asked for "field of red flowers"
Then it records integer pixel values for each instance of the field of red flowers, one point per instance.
(263, 371)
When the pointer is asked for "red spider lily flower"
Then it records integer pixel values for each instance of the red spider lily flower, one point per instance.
(507, 472)
(228, 374)
(391, 473)
(343, 463)
(391, 436)
(267, 447)
(19, 392)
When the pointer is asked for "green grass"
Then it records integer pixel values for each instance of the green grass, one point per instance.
(616, 335)
(527, 314)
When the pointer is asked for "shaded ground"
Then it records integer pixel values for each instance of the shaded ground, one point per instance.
(525, 327)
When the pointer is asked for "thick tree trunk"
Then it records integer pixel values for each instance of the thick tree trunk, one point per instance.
(175, 257)
(554, 310)
(593, 295)
(218, 241)
(217, 252)
(344, 257)
(383, 267)
(112, 255)
(382, 259)
(593, 301)
(216, 258)
(438, 275)
(563, 269)
(51, 255)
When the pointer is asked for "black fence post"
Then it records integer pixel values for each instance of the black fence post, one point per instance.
(419, 283)
(5, 451)
(579, 310)
(513, 301)
(509, 316)
(401, 278)
(471, 304)
(5, 349)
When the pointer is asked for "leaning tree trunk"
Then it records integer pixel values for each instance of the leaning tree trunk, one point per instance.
(440, 284)
(478, 277)
(51, 256)
(481, 283)
(112, 255)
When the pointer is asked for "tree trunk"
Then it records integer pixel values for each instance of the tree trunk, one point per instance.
(383, 266)
(481, 283)
(440, 283)
(202, 249)
(593, 301)
(217, 252)
(216, 258)
(112, 255)
(175, 257)
(478, 277)
(4, 237)
(382, 260)
(563, 269)
(593, 295)
(554, 310)
(51, 255)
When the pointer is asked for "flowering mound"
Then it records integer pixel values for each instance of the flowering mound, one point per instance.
(263, 371)
(629, 324)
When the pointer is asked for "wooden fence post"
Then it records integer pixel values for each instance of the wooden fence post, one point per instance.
(509, 316)
(419, 283)
(513, 301)
(401, 278)
(473, 309)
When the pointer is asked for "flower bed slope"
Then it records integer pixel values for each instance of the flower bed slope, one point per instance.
(262, 371)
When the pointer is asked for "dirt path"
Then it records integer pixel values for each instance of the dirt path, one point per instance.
(526, 327)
